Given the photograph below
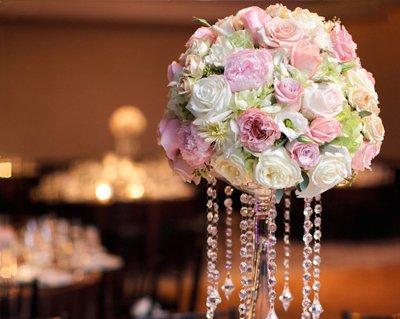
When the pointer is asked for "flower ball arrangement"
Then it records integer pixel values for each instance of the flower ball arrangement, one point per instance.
(271, 98)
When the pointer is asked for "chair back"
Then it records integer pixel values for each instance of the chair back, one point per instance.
(18, 300)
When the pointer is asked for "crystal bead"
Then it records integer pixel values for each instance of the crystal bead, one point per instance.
(243, 252)
(307, 238)
(209, 191)
(316, 285)
(272, 280)
(243, 294)
(316, 260)
(228, 202)
(210, 216)
(317, 234)
(306, 290)
(272, 314)
(317, 221)
(272, 227)
(305, 315)
(209, 204)
(228, 286)
(242, 309)
(272, 240)
(308, 211)
(307, 276)
(306, 303)
(286, 298)
(213, 298)
(215, 218)
(244, 211)
(244, 198)
(243, 266)
(316, 308)
(318, 208)
(308, 225)
(243, 225)
(216, 206)
(228, 243)
(228, 190)
(228, 232)
(307, 264)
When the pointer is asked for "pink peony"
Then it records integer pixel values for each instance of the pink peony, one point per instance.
(193, 148)
(364, 155)
(344, 47)
(289, 91)
(248, 69)
(167, 131)
(257, 131)
(305, 56)
(174, 70)
(305, 154)
(324, 130)
(202, 33)
(184, 171)
(253, 19)
(280, 33)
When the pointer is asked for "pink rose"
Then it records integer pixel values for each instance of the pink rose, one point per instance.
(174, 70)
(167, 132)
(344, 47)
(289, 91)
(253, 19)
(305, 154)
(324, 130)
(202, 33)
(184, 171)
(193, 148)
(305, 56)
(364, 155)
(257, 131)
(248, 69)
(280, 33)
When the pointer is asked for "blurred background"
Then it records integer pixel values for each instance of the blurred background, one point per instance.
(92, 222)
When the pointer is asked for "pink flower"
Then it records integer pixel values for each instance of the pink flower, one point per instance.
(174, 70)
(281, 33)
(324, 130)
(289, 91)
(253, 19)
(305, 154)
(248, 69)
(257, 131)
(344, 47)
(202, 33)
(364, 155)
(193, 148)
(305, 56)
(184, 171)
(167, 132)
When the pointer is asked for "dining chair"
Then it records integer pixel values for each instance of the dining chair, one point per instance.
(357, 315)
(18, 300)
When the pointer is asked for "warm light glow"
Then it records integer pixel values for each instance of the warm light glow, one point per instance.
(104, 192)
(5, 170)
(135, 190)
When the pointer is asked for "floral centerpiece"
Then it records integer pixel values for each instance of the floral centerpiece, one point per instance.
(271, 100)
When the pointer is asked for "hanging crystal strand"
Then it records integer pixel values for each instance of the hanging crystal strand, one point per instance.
(249, 240)
(307, 251)
(213, 297)
(245, 252)
(316, 308)
(271, 253)
(286, 296)
(228, 285)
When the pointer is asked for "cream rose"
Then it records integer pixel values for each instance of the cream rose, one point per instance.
(194, 66)
(275, 169)
(325, 100)
(232, 168)
(333, 167)
(362, 100)
(210, 100)
(373, 128)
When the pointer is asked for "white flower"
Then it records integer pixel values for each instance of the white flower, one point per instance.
(292, 124)
(324, 100)
(232, 168)
(333, 167)
(199, 47)
(278, 10)
(275, 169)
(373, 128)
(219, 51)
(225, 26)
(322, 39)
(210, 100)
(360, 77)
(194, 66)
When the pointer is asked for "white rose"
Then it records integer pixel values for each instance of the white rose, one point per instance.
(322, 39)
(275, 169)
(278, 10)
(333, 167)
(325, 100)
(210, 100)
(362, 100)
(232, 168)
(373, 128)
(359, 77)
(199, 47)
(292, 124)
(219, 51)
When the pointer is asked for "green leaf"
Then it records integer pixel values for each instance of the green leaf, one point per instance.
(305, 139)
(202, 21)
(303, 185)
(279, 194)
(210, 70)
(364, 113)
(282, 141)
